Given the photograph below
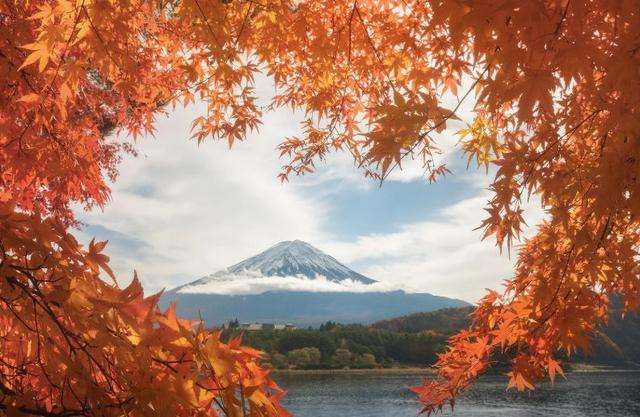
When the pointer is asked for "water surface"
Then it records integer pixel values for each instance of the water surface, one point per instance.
(594, 393)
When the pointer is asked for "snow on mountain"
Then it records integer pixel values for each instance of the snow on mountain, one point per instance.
(294, 258)
(289, 265)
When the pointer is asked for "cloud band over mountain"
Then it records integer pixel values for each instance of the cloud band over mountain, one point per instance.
(251, 282)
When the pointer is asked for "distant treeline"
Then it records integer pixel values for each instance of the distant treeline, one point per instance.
(446, 321)
(413, 340)
(335, 345)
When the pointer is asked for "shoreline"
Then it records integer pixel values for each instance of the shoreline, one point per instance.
(571, 368)
(373, 371)
(586, 367)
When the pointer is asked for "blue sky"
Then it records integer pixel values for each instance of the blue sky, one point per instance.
(358, 211)
(181, 210)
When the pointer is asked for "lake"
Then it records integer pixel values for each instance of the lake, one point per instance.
(589, 393)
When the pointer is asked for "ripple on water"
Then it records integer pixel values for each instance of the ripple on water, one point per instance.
(583, 394)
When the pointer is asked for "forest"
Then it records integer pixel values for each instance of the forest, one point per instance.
(352, 346)
(413, 341)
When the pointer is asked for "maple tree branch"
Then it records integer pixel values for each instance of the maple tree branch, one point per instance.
(563, 138)
(206, 21)
(376, 53)
(84, 412)
(65, 51)
(49, 86)
(242, 401)
(349, 25)
(562, 19)
(102, 42)
(244, 21)
(605, 231)
(436, 126)
(9, 304)
(39, 299)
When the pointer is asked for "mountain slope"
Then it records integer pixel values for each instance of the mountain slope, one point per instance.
(615, 343)
(305, 308)
(358, 299)
(446, 321)
(292, 258)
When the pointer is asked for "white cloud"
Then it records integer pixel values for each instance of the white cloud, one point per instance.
(180, 210)
(252, 282)
(413, 167)
(444, 256)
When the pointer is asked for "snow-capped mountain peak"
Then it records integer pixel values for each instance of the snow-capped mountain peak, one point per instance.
(295, 258)
(288, 259)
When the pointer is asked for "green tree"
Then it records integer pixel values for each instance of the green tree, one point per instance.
(327, 326)
(314, 356)
(298, 357)
(365, 361)
(304, 357)
(278, 360)
(301, 338)
(341, 358)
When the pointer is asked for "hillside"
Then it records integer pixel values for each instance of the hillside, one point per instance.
(616, 343)
(294, 282)
(445, 321)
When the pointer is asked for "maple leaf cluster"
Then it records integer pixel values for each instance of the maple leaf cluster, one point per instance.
(556, 114)
(77, 76)
(73, 344)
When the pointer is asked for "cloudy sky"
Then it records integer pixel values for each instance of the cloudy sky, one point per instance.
(180, 211)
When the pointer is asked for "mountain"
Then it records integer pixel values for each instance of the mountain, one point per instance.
(297, 283)
(285, 259)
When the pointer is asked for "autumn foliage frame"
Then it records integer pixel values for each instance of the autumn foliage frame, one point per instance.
(556, 116)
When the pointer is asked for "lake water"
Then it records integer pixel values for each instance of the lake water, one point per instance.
(594, 393)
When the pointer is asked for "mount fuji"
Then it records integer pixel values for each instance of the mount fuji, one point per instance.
(297, 283)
